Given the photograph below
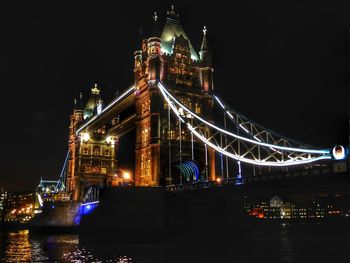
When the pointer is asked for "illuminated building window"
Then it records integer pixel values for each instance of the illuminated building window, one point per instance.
(144, 135)
(106, 152)
(181, 111)
(85, 150)
(146, 164)
(198, 108)
(101, 130)
(96, 150)
(145, 106)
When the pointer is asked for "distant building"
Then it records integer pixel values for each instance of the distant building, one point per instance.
(49, 191)
(49, 186)
(316, 208)
(19, 207)
(3, 195)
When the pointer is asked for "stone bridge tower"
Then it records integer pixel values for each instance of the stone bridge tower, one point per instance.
(92, 155)
(169, 57)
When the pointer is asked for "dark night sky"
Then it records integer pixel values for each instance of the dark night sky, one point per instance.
(282, 63)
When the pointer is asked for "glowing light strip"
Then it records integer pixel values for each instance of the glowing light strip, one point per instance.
(262, 163)
(41, 202)
(256, 138)
(275, 150)
(62, 171)
(82, 127)
(244, 128)
(291, 149)
(196, 170)
(185, 171)
(110, 105)
(221, 104)
(132, 88)
(90, 203)
(231, 116)
(228, 113)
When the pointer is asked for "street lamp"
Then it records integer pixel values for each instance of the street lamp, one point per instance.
(85, 137)
(126, 176)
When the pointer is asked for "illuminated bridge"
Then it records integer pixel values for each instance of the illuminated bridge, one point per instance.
(185, 135)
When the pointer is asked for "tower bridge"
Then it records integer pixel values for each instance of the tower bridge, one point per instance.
(184, 133)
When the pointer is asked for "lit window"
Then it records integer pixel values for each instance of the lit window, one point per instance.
(96, 150)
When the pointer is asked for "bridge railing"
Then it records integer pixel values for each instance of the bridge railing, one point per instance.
(321, 171)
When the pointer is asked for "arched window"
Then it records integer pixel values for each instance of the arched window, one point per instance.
(96, 150)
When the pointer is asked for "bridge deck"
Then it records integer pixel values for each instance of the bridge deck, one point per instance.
(110, 111)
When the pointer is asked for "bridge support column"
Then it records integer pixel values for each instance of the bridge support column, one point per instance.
(211, 155)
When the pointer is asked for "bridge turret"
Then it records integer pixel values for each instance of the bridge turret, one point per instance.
(75, 120)
(206, 71)
(154, 51)
(92, 104)
(172, 60)
(137, 66)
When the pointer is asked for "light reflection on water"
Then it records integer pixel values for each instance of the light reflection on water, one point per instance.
(18, 248)
(22, 247)
(284, 243)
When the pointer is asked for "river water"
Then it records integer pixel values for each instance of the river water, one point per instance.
(267, 243)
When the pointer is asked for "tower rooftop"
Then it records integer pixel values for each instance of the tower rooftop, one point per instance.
(173, 28)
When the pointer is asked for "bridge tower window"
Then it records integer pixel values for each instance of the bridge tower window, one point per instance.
(145, 106)
(198, 109)
(96, 150)
(85, 150)
(144, 135)
(146, 164)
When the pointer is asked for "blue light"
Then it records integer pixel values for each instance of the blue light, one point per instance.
(87, 208)
(53, 206)
(189, 169)
(239, 180)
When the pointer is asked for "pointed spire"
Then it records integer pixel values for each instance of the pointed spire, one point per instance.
(78, 103)
(155, 31)
(205, 53)
(204, 46)
(172, 14)
(95, 90)
(92, 102)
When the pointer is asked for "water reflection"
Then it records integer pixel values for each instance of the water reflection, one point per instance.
(18, 247)
(268, 243)
(22, 247)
